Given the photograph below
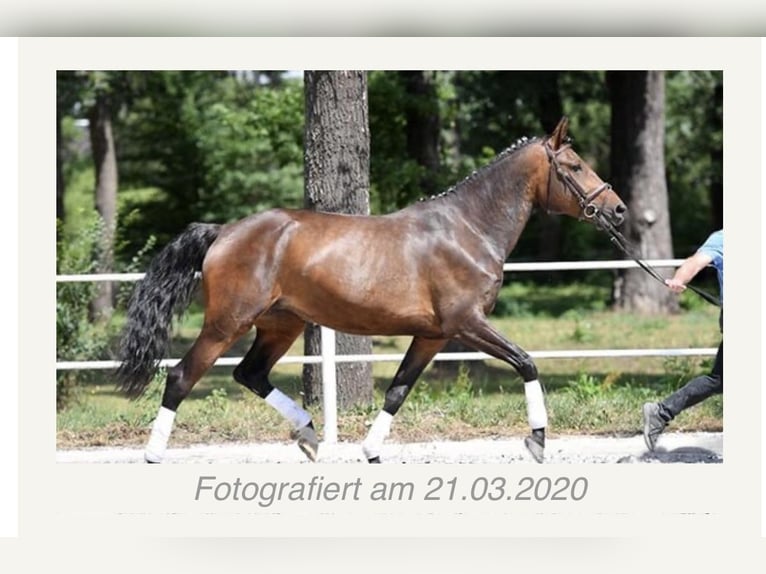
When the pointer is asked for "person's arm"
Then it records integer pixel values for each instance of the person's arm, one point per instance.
(688, 270)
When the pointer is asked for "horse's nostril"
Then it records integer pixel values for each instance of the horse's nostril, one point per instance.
(620, 209)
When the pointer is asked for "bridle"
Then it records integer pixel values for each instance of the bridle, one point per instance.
(584, 198)
(591, 211)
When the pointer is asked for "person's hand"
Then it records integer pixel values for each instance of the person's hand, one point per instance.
(675, 285)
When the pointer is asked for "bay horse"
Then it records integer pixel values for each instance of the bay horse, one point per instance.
(431, 271)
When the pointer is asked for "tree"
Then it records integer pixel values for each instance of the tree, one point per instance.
(405, 128)
(105, 164)
(551, 110)
(423, 126)
(206, 146)
(336, 175)
(69, 88)
(694, 155)
(638, 174)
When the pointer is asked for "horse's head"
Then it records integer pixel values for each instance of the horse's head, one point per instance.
(573, 188)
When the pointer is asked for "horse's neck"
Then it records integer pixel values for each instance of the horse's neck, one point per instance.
(499, 204)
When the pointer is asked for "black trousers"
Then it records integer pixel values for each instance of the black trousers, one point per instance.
(696, 390)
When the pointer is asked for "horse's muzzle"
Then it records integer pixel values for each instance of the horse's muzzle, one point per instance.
(617, 214)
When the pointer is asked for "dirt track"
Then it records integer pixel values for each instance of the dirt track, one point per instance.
(672, 448)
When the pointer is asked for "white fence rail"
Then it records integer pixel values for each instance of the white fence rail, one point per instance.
(538, 266)
(329, 360)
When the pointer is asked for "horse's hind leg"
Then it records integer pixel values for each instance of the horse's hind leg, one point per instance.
(483, 337)
(276, 332)
(419, 354)
(210, 344)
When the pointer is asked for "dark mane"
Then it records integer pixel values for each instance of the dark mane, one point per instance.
(513, 148)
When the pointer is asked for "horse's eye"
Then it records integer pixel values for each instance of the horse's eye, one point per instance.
(577, 167)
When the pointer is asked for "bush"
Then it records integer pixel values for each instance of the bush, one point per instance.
(76, 337)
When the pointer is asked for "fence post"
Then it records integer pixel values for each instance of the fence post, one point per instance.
(329, 389)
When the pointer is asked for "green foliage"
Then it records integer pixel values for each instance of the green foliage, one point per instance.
(76, 337)
(211, 148)
(693, 154)
(585, 387)
(78, 201)
(216, 403)
(497, 108)
(582, 330)
(77, 161)
(396, 178)
(253, 150)
(678, 372)
(425, 394)
(143, 410)
(509, 306)
(573, 300)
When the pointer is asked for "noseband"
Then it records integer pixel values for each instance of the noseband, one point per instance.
(585, 199)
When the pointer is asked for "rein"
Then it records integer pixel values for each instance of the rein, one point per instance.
(591, 211)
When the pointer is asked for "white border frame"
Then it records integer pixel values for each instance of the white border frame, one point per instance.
(109, 501)
(9, 406)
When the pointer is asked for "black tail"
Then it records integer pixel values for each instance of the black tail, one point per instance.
(166, 290)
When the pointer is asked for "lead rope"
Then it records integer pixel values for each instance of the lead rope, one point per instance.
(618, 239)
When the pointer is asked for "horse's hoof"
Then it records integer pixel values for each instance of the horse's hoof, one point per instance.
(535, 444)
(307, 441)
(374, 460)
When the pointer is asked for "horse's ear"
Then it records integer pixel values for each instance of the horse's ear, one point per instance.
(558, 135)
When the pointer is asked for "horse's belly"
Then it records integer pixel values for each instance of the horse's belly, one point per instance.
(361, 316)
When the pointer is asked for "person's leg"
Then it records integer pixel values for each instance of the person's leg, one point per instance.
(658, 415)
(695, 391)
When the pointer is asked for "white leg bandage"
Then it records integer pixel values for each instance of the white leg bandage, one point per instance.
(536, 414)
(288, 408)
(158, 441)
(378, 433)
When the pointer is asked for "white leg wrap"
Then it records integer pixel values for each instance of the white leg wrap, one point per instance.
(288, 408)
(378, 433)
(158, 441)
(536, 413)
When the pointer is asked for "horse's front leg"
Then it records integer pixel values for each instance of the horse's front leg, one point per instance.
(419, 354)
(480, 335)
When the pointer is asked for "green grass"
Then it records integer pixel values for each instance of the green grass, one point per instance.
(602, 396)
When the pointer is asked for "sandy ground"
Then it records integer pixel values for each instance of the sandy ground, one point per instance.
(671, 448)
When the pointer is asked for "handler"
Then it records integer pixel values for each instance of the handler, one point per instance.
(658, 415)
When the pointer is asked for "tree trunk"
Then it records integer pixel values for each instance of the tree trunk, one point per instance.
(638, 174)
(105, 162)
(337, 179)
(423, 126)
